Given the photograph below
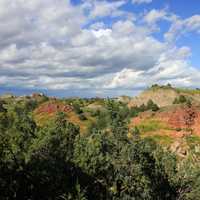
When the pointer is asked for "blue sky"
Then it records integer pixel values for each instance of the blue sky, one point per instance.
(98, 47)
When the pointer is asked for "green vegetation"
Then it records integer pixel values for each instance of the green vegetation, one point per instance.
(156, 86)
(54, 161)
(134, 111)
(152, 106)
(150, 125)
(181, 99)
(164, 140)
(187, 91)
(193, 141)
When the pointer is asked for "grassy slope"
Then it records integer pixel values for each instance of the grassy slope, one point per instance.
(155, 130)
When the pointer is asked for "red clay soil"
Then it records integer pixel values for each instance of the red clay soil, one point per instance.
(196, 126)
(53, 107)
(140, 118)
(180, 117)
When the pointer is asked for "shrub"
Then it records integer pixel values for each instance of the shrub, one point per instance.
(178, 129)
(181, 99)
(152, 106)
(77, 108)
(155, 107)
(82, 117)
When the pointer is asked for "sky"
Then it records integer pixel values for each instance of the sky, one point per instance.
(102, 48)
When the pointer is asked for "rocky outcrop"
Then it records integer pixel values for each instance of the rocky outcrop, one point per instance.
(164, 96)
(183, 117)
(53, 107)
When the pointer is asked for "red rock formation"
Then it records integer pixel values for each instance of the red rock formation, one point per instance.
(196, 126)
(53, 107)
(183, 118)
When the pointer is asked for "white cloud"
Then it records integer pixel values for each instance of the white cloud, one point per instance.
(141, 1)
(103, 8)
(125, 78)
(44, 46)
(171, 66)
(155, 15)
(193, 23)
(102, 32)
(182, 26)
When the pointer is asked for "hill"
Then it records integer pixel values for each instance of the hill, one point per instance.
(164, 95)
(176, 121)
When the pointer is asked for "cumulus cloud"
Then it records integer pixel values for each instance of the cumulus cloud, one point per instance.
(155, 15)
(103, 8)
(54, 45)
(171, 66)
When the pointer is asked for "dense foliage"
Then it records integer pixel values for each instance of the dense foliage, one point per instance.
(56, 162)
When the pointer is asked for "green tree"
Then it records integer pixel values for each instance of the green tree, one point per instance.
(77, 108)
(16, 135)
(136, 133)
(92, 154)
(180, 100)
(49, 159)
(155, 107)
(142, 108)
(142, 172)
(2, 109)
(152, 106)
